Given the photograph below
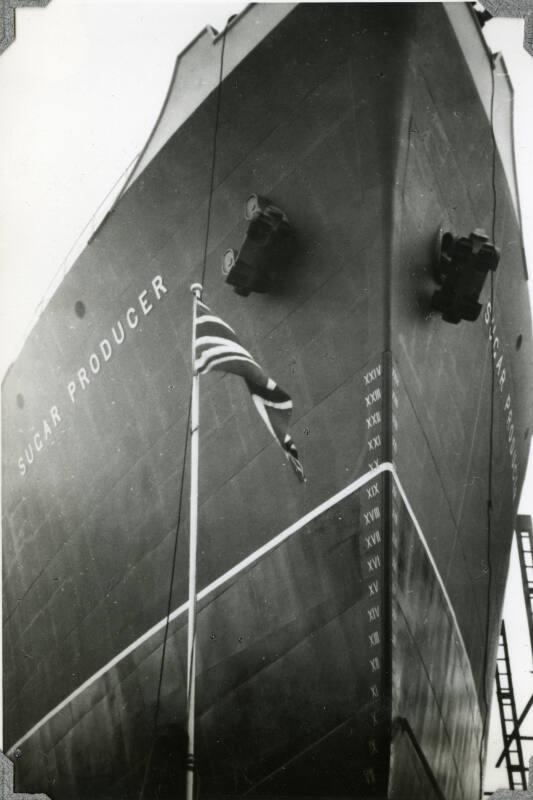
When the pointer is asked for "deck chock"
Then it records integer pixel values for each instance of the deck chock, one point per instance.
(265, 248)
(463, 263)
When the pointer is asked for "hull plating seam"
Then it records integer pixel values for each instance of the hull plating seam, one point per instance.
(240, 567)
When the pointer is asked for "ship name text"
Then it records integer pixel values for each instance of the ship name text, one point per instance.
(118, 334)
(500, 375)
(86, 374)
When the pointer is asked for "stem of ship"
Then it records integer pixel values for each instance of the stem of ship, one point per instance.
(196, 289)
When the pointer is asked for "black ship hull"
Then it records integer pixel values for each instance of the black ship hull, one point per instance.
(347, 628)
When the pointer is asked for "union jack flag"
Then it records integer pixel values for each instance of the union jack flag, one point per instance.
(217, 347)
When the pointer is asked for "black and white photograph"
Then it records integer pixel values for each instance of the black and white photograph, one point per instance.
(267, 400)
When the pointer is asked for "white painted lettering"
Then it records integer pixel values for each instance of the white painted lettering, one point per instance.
(373, 419)
(132, 318)
(105, 349)
(47, 430)
(372, 539)
(374, 443)
(372, 515)
(82, 375)
(372, 491)
(146, 307)
(122, 334)
(37, 440)
(373, 563)
(372, 375)
(502, 375)
(94, 363)
(373, 397)
(159, 287)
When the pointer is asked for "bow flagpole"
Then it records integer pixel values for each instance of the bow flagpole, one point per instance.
(196, 289)
(218, 348)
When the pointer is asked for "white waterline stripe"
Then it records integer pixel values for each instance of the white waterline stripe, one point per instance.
(386, 466)
(295, 527)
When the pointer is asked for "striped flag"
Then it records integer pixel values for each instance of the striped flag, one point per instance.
(216, 346)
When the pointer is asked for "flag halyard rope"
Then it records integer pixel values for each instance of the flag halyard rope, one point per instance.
(194, 430)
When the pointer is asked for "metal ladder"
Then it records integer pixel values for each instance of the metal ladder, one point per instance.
(514, 757)
(524, 536)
